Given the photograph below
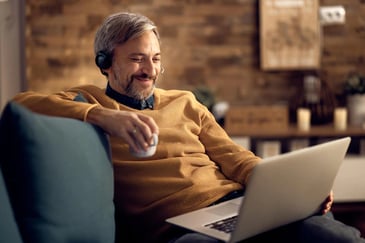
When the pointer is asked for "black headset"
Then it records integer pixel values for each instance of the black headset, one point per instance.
(103, 60)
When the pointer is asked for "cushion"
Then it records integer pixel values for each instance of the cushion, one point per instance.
(59, 177)
(9, 231)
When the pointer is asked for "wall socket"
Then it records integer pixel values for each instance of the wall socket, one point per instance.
(332, 15)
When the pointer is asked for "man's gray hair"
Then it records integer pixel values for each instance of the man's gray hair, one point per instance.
(120, 27)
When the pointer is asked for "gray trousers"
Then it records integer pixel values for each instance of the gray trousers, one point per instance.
(315, 229)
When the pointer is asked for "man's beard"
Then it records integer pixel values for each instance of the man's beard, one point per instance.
(131, 89)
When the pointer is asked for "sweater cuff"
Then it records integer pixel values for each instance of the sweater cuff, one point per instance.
(88, 110)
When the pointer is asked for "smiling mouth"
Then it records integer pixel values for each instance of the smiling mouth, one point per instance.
(144, 78)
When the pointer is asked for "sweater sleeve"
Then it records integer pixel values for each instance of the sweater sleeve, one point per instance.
(59, 104)
(235, 161)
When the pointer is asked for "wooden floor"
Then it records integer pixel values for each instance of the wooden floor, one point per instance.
(351, 214)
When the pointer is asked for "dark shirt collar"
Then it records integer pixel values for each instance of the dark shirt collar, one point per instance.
(128, 101)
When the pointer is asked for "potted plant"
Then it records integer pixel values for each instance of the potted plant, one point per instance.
(354, 89)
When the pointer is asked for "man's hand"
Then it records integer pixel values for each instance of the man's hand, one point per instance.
(327, 204)
(136, 129)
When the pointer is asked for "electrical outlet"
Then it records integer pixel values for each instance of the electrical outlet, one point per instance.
(331, 15)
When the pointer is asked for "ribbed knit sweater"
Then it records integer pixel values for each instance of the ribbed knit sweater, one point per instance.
(195, 164)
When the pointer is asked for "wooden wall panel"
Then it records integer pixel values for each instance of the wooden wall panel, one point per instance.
(290, 34)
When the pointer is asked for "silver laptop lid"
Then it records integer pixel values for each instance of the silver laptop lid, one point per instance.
(289, 187)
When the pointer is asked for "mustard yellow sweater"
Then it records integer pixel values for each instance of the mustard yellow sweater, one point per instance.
(195, 164)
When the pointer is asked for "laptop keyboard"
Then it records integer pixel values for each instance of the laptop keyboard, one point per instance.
(226, 225)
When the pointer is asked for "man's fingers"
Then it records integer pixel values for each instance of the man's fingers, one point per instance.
(140, 137)
(150, 123)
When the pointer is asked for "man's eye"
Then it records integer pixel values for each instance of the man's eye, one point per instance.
(156, 59)
(136, 59)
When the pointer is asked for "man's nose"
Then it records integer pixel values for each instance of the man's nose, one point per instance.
(149, 68)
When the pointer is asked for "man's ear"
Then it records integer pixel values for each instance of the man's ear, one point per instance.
(104, 72)
(104, 61)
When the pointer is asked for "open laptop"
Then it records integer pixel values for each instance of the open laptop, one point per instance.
(282, 189)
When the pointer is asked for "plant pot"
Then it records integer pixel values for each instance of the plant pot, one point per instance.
(356, 109)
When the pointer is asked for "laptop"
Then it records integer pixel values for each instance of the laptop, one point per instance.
(282, 189)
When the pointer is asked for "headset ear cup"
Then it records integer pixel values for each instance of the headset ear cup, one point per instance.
(103, 60)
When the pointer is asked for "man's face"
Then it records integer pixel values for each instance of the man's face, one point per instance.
(136, 66)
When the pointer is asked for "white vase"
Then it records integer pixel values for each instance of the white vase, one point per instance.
(356, 109)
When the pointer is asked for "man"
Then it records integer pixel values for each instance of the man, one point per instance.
(196, 164)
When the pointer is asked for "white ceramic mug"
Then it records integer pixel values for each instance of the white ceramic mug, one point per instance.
(150, 150)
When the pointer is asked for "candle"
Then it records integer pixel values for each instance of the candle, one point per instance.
(303, 119)
(340, 118)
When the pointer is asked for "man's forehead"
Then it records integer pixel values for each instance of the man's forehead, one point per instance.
(147, 43)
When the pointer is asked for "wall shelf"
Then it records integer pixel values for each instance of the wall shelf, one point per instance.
(292, 132)
(287, 137)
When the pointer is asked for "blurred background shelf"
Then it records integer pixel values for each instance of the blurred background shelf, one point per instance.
(291, 131)
(289, 138)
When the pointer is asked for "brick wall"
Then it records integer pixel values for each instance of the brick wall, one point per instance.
(212, 43)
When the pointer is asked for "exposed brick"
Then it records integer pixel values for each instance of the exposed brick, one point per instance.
(50, 8)
(204, 42)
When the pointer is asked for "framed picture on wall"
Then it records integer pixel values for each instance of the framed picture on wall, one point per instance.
(290, 34)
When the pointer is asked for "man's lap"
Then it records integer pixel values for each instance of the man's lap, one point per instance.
(323, 228)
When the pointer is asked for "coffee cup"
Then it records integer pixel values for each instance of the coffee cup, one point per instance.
(150, 150)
